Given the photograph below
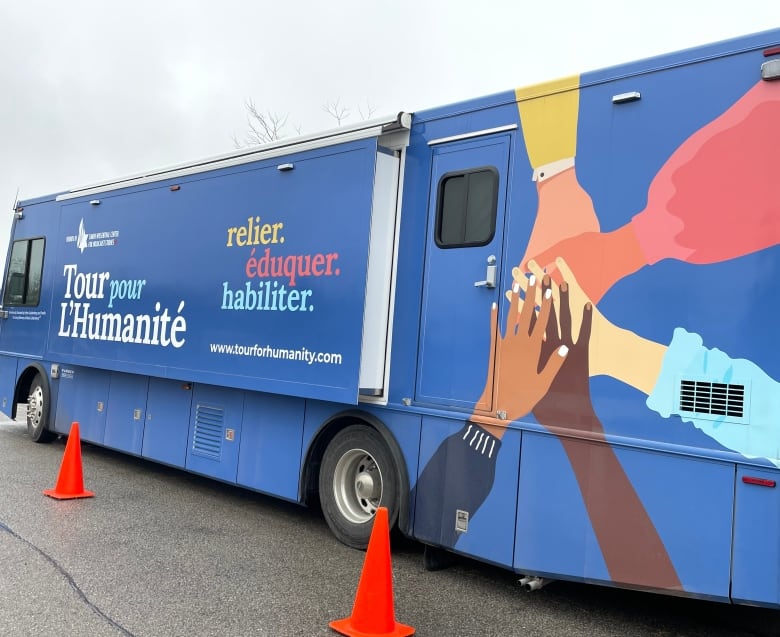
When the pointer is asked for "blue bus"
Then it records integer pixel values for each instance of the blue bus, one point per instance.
(534, 325)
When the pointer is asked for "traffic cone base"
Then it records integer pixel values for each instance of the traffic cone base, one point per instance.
(53, 493)
(345, 627)
(70, 481)
(372, 613)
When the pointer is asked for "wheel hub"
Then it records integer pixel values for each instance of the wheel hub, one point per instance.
(357, 484)
(365, 486)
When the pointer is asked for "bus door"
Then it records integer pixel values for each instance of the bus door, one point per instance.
(464, 262)
(23, 319)
(462, 270)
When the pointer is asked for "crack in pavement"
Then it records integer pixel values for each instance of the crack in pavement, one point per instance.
(68, 578)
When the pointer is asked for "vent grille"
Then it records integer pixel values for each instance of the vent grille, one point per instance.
(718, 399)
(207, 439)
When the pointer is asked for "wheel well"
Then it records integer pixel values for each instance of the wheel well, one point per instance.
(24, 383)
(311, 470)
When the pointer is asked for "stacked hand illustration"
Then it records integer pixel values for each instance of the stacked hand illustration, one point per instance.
(712, 201)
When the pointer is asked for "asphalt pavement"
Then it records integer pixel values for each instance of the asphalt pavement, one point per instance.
(159, 552)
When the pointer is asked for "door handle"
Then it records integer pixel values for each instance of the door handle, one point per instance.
(490, 276)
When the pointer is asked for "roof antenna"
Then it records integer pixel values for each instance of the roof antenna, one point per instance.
(17, 210)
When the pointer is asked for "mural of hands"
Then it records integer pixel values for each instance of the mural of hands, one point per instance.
(564, 210)
(612, 350)
(567, 403)
(599, 259)
(515, 359)
(710, 176)
(630, 544)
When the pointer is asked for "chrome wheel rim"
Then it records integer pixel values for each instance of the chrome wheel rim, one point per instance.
(35, 407)
(357, 486)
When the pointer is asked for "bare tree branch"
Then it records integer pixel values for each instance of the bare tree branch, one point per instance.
(336, 110)
(268, 126)
(370, 109)
(265, 126)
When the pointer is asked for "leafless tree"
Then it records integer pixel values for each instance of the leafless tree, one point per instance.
(336, 110)
(268, 126)
(368, 111)
(263, 126)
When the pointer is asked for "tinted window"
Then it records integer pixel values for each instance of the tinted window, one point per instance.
(466, 213)
(25, 270)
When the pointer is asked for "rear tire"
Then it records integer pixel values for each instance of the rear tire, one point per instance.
(357, 476)
(38, 412)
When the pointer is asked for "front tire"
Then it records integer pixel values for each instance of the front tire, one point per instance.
(38, 412)
(357, 476)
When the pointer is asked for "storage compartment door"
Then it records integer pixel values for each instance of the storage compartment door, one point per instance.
(756, 569)
(215, 432)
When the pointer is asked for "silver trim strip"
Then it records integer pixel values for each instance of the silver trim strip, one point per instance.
(364, 130)
(478, 133)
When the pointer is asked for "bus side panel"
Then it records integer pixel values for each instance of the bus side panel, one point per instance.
(215, 431)
(271, 437)
(756, 531)
(237, 277)
(595, 512)
(553, 535)
(82, 398)
(466, 492)
(126, 412)
(167, 421)
(7, 382)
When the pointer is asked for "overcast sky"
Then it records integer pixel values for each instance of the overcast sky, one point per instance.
(97, 89)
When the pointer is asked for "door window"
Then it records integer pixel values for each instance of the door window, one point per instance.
(23, 285)
(466, 210)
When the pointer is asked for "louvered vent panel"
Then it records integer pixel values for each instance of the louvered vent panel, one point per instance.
(718, 399)
(207, 439)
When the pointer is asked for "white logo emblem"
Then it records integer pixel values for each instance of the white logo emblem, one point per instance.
(81, 240)
(84, 239)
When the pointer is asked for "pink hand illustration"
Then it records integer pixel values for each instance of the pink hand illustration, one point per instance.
(564, 210)
(714, 199)
(599, 259)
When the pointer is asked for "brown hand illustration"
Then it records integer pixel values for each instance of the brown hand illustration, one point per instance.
(567, 403)
(632, 549)
(613, 351)
(514, 360)
(576, 298)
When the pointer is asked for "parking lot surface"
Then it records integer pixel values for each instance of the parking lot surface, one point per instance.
(158, 552)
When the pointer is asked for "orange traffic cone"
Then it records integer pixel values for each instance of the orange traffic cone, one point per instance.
(70, 482)
(373, 614)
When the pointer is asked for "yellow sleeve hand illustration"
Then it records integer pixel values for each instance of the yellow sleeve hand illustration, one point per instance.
(548, 117)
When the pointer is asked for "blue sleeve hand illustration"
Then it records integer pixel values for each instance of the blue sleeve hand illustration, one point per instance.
(735, 402)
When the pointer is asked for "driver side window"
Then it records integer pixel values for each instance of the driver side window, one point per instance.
(25, 270)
